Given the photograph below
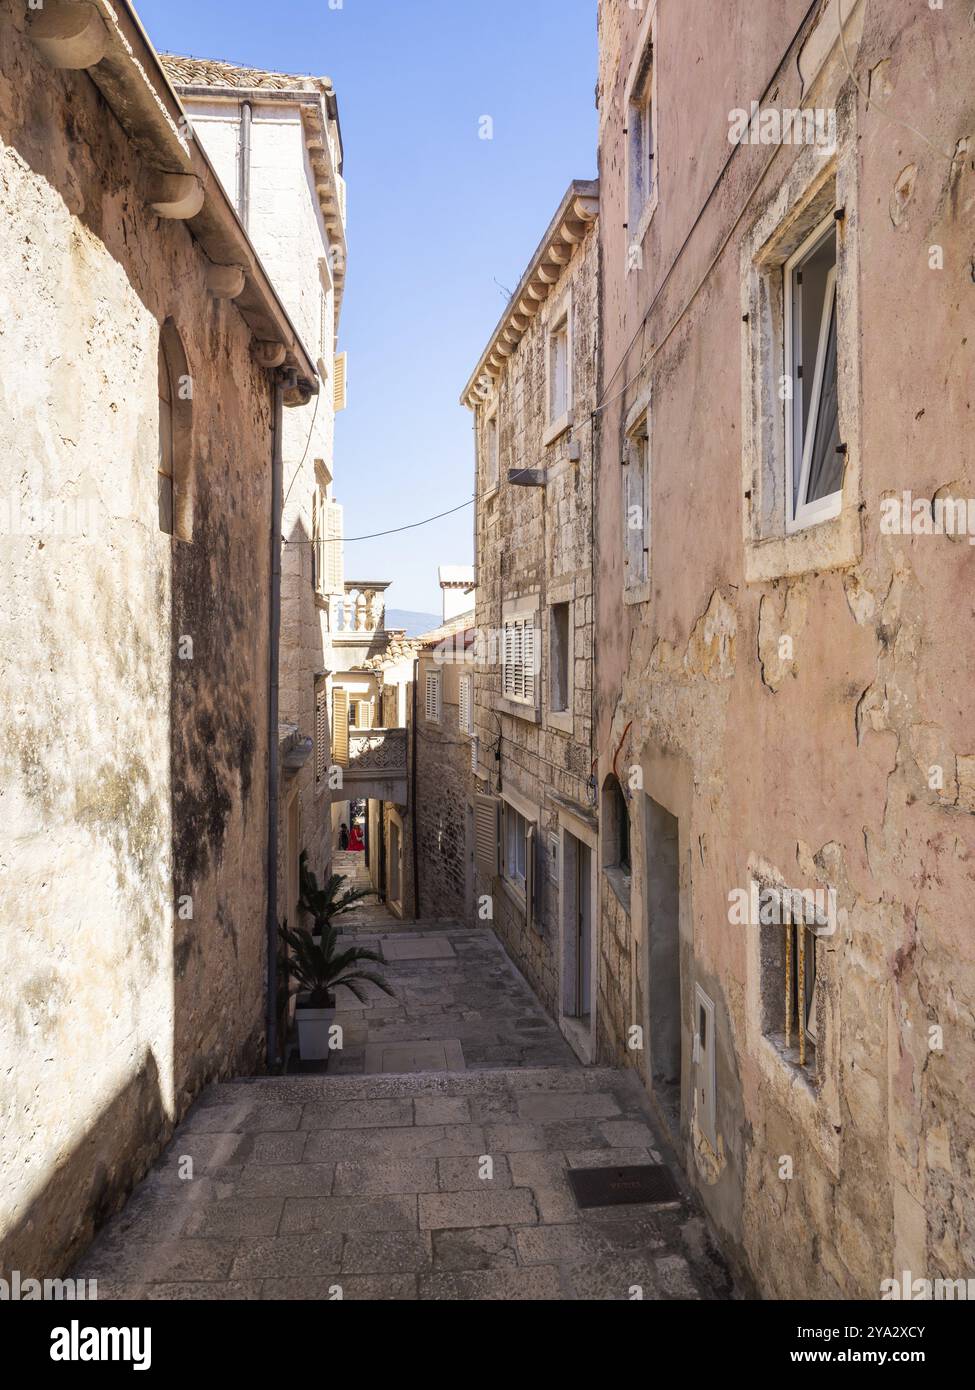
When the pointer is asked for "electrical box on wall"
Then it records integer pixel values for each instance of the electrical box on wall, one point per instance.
(704, 1070)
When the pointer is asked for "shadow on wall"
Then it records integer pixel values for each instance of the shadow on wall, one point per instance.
(88, 1185)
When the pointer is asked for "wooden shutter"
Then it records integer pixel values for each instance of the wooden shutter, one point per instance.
(339, 388)
(333, 566)
(475, 747)
(340, 727)
(486, 816)
(508, 660)
(321, 733)
(432, 697)
(528, 658)
(465, 716)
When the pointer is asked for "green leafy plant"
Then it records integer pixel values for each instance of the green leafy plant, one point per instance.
(322, 904)
(320, 970)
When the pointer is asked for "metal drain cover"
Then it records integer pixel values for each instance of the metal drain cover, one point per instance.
(650, 1183)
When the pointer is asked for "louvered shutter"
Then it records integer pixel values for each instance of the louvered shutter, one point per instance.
(432, 697)
(321, 734)
(339, 381)
(340, 727)
(528, 659)
(465, 712)
(517, 659)
(333, 567)
(486, 815)
(475, 748)
(508, 661)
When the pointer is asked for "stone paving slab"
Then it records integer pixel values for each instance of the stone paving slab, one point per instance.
(420, 1184)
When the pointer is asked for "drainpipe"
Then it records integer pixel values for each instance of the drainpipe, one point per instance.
(416, 856)
(244, 173)
(280, 382)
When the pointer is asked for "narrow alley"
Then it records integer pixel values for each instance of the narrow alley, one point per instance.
(430, 1162)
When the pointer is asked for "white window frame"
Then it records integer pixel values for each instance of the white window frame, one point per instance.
(433, 696)
(512, 831)
(801, 514)
(642, 136)
(812, 187)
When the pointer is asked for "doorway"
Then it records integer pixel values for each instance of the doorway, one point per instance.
(576, 1010)
(662, 931)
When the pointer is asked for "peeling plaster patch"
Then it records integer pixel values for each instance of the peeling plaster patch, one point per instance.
(711, 649)
(965, 774)
(900, 198)
(862, 603)
(779, 627)
(880, 85)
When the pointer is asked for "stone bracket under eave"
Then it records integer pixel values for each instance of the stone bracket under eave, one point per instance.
(105, 39)
(528, 477)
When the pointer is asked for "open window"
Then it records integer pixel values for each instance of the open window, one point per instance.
(814, 461)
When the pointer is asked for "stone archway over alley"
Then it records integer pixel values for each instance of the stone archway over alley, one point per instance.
(430, 1162)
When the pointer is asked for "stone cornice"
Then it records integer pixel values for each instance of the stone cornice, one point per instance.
(577, 212)
(105, 38)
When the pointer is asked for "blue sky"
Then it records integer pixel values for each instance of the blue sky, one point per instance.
(436, 217)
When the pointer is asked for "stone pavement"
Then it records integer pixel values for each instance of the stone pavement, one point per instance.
(440, 1176)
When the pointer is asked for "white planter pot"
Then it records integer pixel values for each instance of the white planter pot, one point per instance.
(313, 1031)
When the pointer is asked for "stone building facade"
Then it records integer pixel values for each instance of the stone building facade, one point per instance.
(444, 749)
(787, 353)
(533, 394)
(138, 374)
(275, 141)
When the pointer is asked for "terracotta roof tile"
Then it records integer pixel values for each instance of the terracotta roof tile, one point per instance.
(213, 72)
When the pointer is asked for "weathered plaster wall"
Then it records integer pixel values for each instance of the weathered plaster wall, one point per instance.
(536, 541)
(821, 766)
(132, 777)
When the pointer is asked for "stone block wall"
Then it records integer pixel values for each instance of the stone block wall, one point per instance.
(536, 541)
(133, 740)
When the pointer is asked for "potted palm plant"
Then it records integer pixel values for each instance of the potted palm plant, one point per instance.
(318, 968)
(322, 904)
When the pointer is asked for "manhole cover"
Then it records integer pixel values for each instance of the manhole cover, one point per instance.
(614, 1187)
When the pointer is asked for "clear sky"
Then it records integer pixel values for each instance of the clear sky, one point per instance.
(437, 216)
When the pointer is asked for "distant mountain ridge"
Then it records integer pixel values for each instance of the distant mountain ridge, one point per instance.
(416, 624)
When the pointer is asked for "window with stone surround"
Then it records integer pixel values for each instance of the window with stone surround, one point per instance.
(491, 459)
(636, 511)
(801, 360)
(432, 696)
(789, 923)
(640, 109)
(560, 657)
(518, 658)
(558, 366)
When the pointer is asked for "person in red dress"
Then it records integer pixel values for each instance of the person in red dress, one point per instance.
(355, 839)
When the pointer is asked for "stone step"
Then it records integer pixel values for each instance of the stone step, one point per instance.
(296, 1090)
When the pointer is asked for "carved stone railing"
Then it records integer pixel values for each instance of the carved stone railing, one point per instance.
(377, 750)
(358, 610)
